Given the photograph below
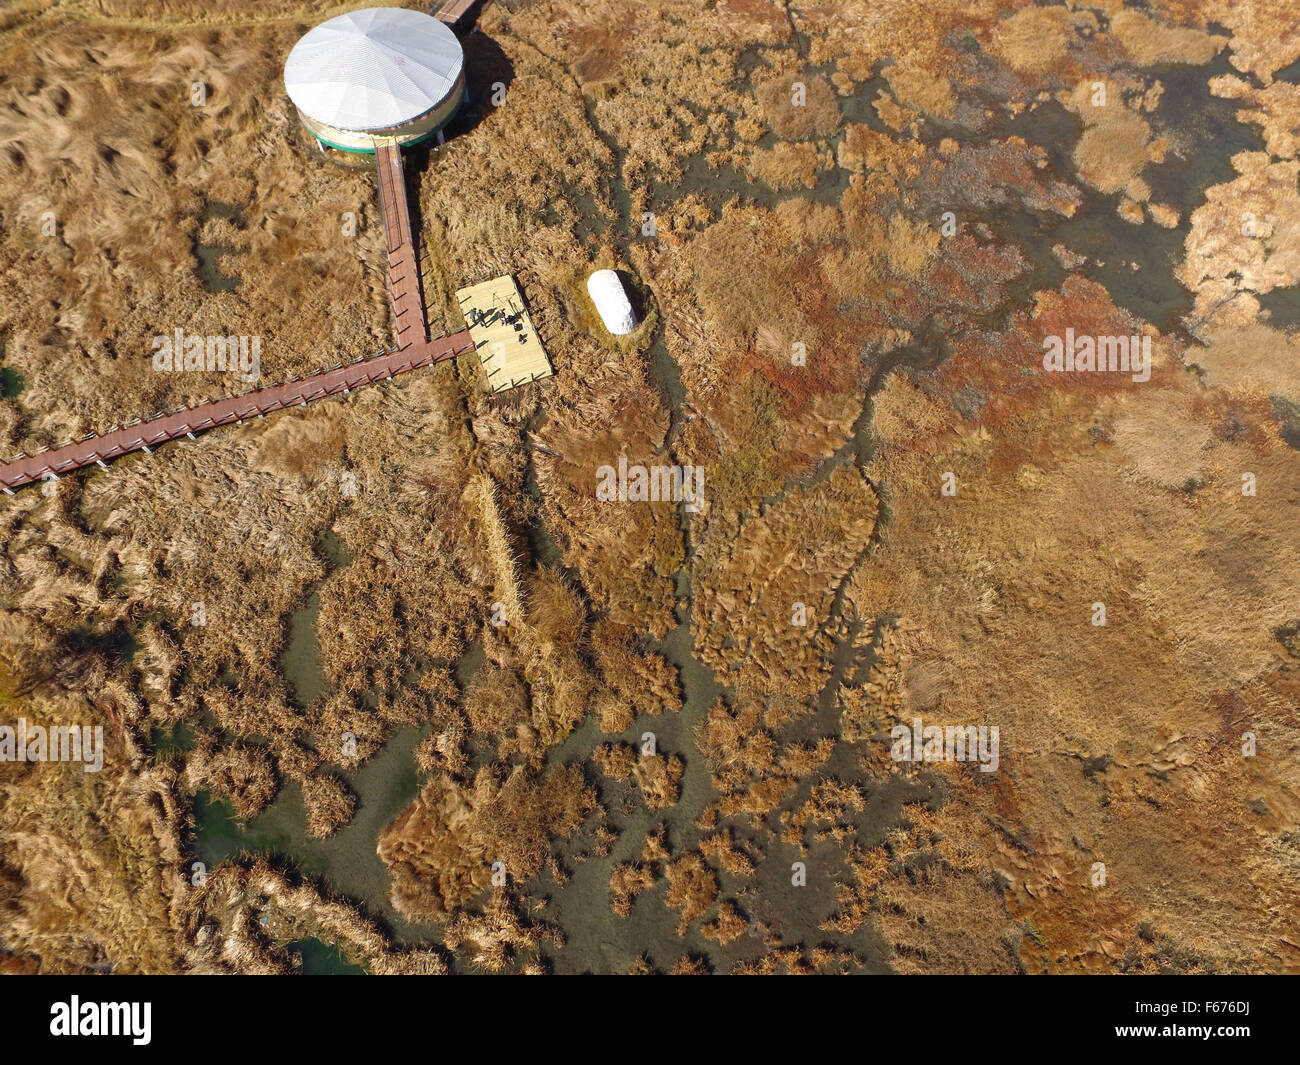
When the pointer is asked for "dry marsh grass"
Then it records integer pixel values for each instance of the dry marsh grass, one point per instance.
(1082, 498)
(1149, 41)
(973, 608)
(441, 849)
(106, 140)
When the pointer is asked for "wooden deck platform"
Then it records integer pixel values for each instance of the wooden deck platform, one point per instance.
(507, 342)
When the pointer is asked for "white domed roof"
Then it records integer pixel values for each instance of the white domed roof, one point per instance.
(610, 298)
(373, 69)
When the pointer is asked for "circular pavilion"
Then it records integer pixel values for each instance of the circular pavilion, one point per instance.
(379, 74)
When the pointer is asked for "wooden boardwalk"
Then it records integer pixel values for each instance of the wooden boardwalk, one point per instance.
(403, 255)
(413, 350)
(141, 436)
(507, 342)
(453, 11)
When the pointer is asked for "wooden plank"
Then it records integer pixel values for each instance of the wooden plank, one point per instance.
(454, 10)
(504, 335)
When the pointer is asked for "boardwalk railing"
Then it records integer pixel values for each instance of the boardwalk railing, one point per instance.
(186, 421)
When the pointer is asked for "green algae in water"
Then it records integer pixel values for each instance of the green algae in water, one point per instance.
(300, 661)
(1204, 134)
(347, 862)
(1281, 308)
(1287, 414)
(180, 737)
(323, 959)
(11, 382)
(116, 641)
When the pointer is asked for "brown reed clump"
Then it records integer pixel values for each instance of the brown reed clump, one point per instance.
(330, 803)
(499, 936)
(244, 915)
(797, 107)
(240, 774)
(729, 925)
(692, 888)
(441, 850)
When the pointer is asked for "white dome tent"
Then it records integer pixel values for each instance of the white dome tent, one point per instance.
(610, 298)
(378, 73)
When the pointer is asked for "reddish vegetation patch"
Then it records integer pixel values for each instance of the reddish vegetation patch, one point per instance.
(993, 175)
(757, 10)
(834, 341)
(599, 46)
(1006, 367)
(969, 278)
